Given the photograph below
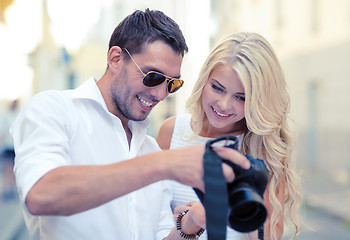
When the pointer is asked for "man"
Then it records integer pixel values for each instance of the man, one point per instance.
(85, 167)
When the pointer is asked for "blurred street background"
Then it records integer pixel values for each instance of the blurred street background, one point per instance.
(51, 44)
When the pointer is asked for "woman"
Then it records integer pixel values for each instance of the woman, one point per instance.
(241, 90)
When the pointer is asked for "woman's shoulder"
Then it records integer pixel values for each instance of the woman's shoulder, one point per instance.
(165, 133)
(170, 126)
(183, 117)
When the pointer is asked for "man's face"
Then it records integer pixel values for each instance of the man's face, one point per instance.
(131, 99)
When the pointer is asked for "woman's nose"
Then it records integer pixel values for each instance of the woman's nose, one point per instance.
(225, 103)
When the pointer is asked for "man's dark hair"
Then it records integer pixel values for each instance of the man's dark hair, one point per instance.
(143, 27)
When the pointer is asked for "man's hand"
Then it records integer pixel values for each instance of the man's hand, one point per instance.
(186, 164)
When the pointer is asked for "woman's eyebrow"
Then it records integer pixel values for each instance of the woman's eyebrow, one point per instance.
(218, 83)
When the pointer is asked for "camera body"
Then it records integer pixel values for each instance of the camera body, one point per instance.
(246, 209)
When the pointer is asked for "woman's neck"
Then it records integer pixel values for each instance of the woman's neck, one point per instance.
(211, 132)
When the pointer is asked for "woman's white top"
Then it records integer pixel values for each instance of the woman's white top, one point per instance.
(183, 136)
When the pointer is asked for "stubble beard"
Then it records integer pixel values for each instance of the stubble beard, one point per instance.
(123, 103)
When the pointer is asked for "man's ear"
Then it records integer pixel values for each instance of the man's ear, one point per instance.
(114, 56)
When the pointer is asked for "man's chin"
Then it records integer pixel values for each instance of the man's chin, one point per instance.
(141, 117)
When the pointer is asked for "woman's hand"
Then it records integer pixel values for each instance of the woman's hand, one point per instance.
(195, 215)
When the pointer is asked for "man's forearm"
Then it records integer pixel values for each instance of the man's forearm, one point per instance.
(72, 189)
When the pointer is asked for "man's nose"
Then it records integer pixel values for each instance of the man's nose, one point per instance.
(160, 92)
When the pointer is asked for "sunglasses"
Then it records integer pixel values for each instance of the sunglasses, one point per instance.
(152, 78)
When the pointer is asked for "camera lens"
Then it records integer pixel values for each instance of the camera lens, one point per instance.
(247, 211)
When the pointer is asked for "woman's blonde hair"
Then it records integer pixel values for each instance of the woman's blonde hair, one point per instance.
(267, 107)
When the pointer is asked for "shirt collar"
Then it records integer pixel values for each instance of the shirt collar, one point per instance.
(90, 90)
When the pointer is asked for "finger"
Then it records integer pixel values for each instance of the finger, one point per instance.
(233, 156)
(201, 186)
(190, 204)
(228, 172)
(179, 209)
(197, 214)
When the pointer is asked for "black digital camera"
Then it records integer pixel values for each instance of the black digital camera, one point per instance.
(246, 210)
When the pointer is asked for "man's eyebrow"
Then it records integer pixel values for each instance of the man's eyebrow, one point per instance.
(152, 69)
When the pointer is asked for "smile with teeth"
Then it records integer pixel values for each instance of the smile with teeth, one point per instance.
(220, 114)
(144, 102)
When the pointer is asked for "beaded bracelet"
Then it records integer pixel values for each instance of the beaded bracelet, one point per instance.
(185, 235)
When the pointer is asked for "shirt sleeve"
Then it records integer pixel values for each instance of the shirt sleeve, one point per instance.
(166, 217)
(41, 136)
(165, 221)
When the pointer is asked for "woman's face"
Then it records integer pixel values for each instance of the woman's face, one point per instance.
(223, 100)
